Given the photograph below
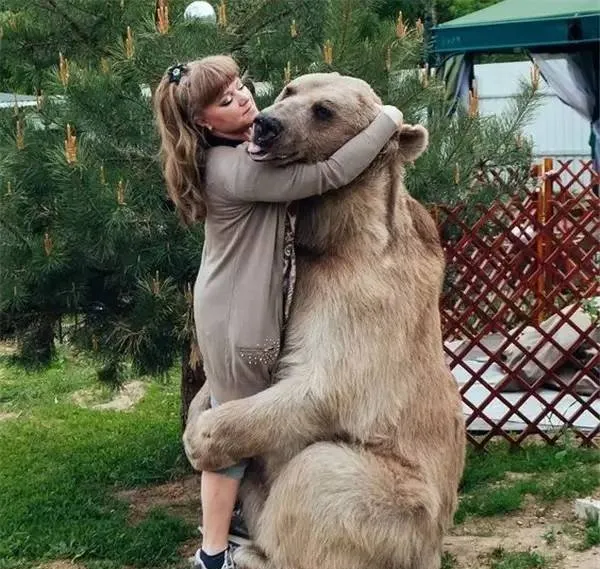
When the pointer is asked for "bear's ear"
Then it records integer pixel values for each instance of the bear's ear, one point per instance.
(413, 140)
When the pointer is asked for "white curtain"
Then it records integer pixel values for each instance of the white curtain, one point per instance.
(574, 78)
(457, 74)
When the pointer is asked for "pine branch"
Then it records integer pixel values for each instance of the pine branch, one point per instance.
(250, 32)
(530, 98)
(74, 25)
(347, 10)
(14, 231)
(79, 32)
(462, 140)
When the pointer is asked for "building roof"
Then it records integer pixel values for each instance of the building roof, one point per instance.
(536, 25)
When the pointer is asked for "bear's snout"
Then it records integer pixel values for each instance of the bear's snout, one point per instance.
(266, 130)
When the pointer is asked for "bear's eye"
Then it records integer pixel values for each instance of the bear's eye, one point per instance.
(289, 91)
(322, 112)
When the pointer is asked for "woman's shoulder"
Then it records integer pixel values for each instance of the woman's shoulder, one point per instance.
(221, 164)
(218, 159)
(227, 165)
(223, 157)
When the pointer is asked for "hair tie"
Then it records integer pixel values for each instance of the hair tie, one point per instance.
(176, 72)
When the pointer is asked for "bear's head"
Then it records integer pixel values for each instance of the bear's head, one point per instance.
(316, 114)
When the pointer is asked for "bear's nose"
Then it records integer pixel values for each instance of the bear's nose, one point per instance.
(266, 129)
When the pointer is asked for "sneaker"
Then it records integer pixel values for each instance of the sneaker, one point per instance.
(228, 563)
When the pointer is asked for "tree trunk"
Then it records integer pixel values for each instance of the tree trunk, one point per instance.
(192, 377)
(35, 339)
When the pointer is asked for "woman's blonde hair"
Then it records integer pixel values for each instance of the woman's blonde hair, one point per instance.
(178, 101)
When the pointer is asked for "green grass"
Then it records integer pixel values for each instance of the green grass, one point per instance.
(492, 464)
(449, 561)
(550, 536)
(60, 466)
(23, 390)
(592, 534)
(548, 472)
(501, 559)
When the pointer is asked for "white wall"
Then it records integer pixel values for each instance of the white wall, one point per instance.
(557, 130)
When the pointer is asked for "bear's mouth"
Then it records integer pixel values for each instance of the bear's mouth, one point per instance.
(260, 154)
(266, 138)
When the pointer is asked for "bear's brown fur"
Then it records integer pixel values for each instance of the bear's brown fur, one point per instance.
(360, 442)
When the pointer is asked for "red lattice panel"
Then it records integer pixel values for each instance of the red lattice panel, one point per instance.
(511, 267)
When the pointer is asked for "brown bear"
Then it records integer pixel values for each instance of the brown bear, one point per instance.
(359, 444)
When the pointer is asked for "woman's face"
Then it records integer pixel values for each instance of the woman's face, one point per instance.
(232, 114)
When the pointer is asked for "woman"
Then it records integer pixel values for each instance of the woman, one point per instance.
(245, 284)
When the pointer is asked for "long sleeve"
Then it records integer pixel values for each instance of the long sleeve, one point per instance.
(241, 177)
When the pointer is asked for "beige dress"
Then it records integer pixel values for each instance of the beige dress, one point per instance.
(238, 296)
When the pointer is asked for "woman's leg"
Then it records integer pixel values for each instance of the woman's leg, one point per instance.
(218, 494)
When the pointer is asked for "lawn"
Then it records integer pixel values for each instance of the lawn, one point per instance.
(60, 466)
(64, 470)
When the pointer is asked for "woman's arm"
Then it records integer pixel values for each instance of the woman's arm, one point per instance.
(247, 180)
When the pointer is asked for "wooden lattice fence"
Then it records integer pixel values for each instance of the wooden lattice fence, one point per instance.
(518, 309)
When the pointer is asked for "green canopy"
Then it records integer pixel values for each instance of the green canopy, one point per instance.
(536, 25)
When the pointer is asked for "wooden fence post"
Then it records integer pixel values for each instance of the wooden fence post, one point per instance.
(544, 211)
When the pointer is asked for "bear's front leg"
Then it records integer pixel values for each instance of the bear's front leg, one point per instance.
(283, 415)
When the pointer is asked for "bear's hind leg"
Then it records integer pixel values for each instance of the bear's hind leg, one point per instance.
(345, 508)
(251, 557)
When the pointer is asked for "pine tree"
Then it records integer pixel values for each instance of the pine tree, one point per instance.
(34, 32)
(86, 231)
